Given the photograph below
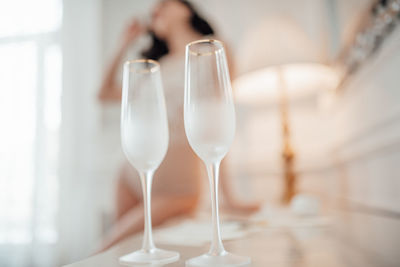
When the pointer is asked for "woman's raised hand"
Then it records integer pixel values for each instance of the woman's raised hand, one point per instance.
(132, 31)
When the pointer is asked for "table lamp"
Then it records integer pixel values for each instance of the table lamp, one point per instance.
(285, 67)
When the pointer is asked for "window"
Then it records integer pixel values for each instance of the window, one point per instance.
(30, 117)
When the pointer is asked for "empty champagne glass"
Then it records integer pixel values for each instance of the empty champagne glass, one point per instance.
(144, 132)
(209, 117)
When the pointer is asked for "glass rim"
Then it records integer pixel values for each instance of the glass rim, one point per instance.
(204, 41)
(155, 65)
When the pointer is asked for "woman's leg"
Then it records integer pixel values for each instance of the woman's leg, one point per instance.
(163, 208)
(126, 198)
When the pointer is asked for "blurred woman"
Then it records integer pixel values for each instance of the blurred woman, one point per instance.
(176, 185)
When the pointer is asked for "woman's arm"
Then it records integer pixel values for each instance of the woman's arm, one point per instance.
(110, 89)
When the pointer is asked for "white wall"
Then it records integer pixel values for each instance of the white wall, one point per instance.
(361, 187)
(231, 18)
(78, 216)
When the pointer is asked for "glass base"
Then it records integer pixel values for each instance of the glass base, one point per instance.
(226, 259)
(155, 256)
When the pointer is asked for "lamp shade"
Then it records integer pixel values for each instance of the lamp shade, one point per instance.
(277, 52)
(301, 80)
(276, 41)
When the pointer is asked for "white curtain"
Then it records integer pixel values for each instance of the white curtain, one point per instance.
(50, 187)
(30, 116)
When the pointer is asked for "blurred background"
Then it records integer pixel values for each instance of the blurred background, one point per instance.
(60, 147)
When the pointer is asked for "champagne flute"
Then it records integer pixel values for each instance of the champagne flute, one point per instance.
(209, 117)
(144, 133)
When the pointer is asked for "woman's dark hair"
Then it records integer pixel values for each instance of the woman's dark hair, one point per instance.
(159, 47)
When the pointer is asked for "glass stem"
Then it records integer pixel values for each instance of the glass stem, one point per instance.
(146, 180)
(213, 175)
